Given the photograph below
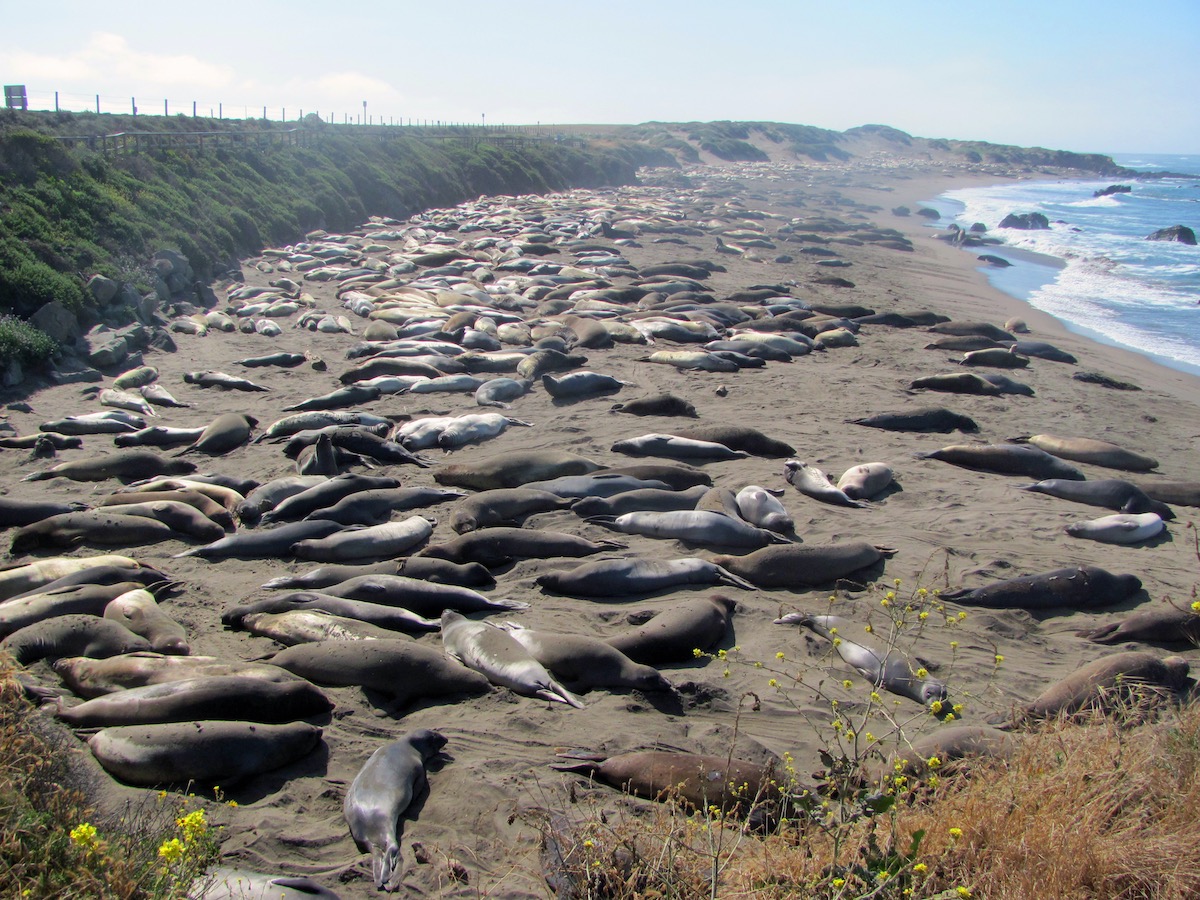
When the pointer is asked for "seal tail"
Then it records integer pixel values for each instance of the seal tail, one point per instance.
(556, 693)
(724, 576)
(40, 476)
(514, 605)
(384, 861)
(1104, 635)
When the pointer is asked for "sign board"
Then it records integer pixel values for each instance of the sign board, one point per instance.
(14, 96)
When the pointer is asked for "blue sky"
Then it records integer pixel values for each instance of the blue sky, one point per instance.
(1089, 76)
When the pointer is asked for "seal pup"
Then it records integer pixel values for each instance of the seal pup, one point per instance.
(90, 527)
(20, 579)
(803, 565)
(222, 883)
(583, 663)
(501, 659)
(760, 507)
(383, 789)
(1120, 528)
(71, 635)
(1079, 587)
(500, 545)
(865, 481)
(209, 752)
(88, 677)
(812, 482)
(514, 469)
(419, 596)
(657, 405)
(738, 437)
(504, 506)
(891, 670)
(226, 432)
(674, 447)
(1173, 625)
(138, 611)
(1005, 459)
(301, 626)
(365, 542)
(1090, 450)
(125, 465)
(695, 526)
(924, 419)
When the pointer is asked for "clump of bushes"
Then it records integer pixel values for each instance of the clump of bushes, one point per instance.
(27, 344)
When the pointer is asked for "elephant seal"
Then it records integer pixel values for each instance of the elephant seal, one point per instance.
(126, 465)
(501, 659)
(72, 635)
(402, 670)
(500, 545)
(324, 494)
(1043, 350)
(675, 447)
(366, 542)
(498, 391)
(50, 603)
(803, 565)
(582, 663)
(578, 385)
(1108, 682)
(971, 383)
(733, 785)
(513, 469)
(222, 883)
(924, 419)
(597, 484)
(1005, 459)
(1080, 587)
(422, 597)
(618, 578)
(890, 670)
(760, 507)
(986, 329)
(395, 617)
(1120, 528)
(674, 634)
(142, 576)
(738, 437)
(17, 580)
(204, 504)
(135, 378)
(269, 543)
(1185, 493)
(301, 626)
(997, 357)
(1108, 493)
(1090, 450)
(678, 476)
(383, 789)
(138, 611)
(437, 571)
(342, 398)
(657, 405)
(696, 526)
(1173, 625)
(504, 506)
(41, 439)
(865, 481)
(183, 518)
(812, 482)
(950, 744)
(18, 513)
(91, 527)
(375, 507)
(226, 432)
(210, 752)
(641, 500)
(89, 677)
(225, 697)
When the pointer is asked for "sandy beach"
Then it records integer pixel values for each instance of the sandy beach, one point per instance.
(951, 527)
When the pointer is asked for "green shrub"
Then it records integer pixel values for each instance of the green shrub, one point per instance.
(23, 342)
(31, 285)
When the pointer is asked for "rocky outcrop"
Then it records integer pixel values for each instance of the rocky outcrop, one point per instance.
(1025, 221)
(1113, 189)
(1180, 233)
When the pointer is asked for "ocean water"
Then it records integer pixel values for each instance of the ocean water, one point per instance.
(1094, 269)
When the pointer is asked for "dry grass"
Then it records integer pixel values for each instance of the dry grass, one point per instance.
(1097, 810)
(53, 845)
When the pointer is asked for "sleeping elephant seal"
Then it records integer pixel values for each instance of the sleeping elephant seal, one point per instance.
(138, 611)
(1080, 587)
(382, 790)
(1120, 528)
(733, 785)
(922, 420)
(812, 482)
(87, 677)
(1107, 683)
(1090, 450)
(1107, 493)
(657, 405)
(738, 437)
(73, 635)
(676, 633)
(226, 432)
(403, 670)
(513, 469)
(807, 565)
(608, 579)
(949, 743)
(91, 527)
(501, 659)
(1005, 459)
(220, 883)
(302, 626)
(505, 506)
(126, 465)
(208, 752)
(889, 670)
(583, 663)
(225, 697)
(1173, 625)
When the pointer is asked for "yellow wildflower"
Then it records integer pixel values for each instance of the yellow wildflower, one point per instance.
(84, 835)
(774, 682)
(922, 672)
(999, 659)
(933, 762)
(935, 707)
(779, 655)
(172, 851)
(956, 833)
(1196, 607)
(920, 868)
(963, 892)
(847, 683)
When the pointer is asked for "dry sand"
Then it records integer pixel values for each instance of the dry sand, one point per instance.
(951, 527)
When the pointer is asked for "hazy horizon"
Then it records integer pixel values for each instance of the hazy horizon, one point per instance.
(1072, 76)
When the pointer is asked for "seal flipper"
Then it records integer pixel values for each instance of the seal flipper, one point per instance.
(724, 576)
(556, 693)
